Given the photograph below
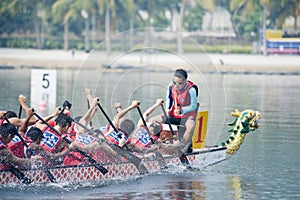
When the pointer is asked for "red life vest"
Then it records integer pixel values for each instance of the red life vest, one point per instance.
(51, 123)
(1, 121)
(72, 159)
(183, 99)
(71, 132)
(51, 141)
(18, 148)
(114, 137)
(141, 138)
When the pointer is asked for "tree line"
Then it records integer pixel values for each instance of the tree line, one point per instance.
(63, 22)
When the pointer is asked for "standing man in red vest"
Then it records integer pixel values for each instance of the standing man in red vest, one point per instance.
(181, 106)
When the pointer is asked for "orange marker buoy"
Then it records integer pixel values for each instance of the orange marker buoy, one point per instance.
(42, 106)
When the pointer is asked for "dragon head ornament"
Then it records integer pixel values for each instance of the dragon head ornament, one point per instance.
(243, 123)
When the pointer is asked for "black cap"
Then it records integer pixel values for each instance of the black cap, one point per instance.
(67, 104)
(34, 133)
(8, 128)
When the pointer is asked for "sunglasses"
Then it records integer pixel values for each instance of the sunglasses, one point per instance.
(177, 83)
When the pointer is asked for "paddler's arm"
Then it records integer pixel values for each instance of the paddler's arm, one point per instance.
(133, 147)
(41, 125)
(25, 125)
(149, 111)
(118, 107)
(56, 112)
(193, 104)
(19, 122)
(2, 114)
(87, 117)
(116, 120)
(48, 155)
(7, 155)
(90, 100)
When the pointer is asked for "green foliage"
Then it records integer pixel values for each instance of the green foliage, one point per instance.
(244, 49)
(53, 43)
(193, 19)
(282, 9)
(18, 42)
(250, 23)
(51, 19)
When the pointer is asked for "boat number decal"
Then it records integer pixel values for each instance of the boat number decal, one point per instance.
(85, 139)
(142, 136)
(200, 130)
(50, 140)
(15, 139)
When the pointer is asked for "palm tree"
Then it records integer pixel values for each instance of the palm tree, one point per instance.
(67, 9)
(209, 6)
(64, 9)
(234, 7)
(281, 10)
(87, 8)
(107, 6)
(295, 5)
(264, 4)
(130, 9)
(8, 7)
(111, 8)
(37, 9)
(179, 26)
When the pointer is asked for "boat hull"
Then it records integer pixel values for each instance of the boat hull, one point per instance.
(117, 171)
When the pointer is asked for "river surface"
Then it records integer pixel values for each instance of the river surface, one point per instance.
(267, 166)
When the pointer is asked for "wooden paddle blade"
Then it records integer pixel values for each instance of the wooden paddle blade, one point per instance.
(102, 169)
(49, 175)
(184, 160)
(26, 180)
(20, 175)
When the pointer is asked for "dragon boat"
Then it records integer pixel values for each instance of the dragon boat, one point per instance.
(200, 157)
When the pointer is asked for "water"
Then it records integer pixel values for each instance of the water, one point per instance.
(267, 166)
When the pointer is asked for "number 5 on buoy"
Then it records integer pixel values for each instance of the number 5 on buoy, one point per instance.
(43, 90)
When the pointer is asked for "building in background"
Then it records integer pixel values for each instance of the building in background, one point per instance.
(280, 42)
